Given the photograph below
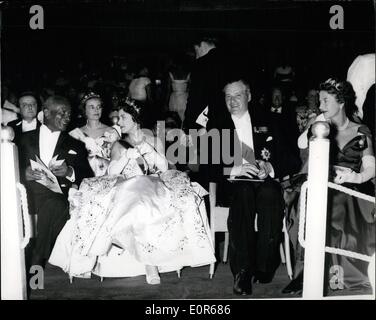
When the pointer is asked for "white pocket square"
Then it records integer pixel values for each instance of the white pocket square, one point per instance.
(270, 138)
(72, 152)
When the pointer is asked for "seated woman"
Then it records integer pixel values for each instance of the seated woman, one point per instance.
(351, 220)
(155, 215)
(98, 137)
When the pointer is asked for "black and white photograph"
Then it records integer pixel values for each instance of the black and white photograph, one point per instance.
(206, 151)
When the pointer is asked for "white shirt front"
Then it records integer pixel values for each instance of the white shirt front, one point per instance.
(243, 126)
(47, 143)
(244, 129)
(29, 126)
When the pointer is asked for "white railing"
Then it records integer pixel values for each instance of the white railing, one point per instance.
(313, 217)
(13, 241)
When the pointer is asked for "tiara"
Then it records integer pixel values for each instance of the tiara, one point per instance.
(334, 83)
(89, 96)
(130, 102)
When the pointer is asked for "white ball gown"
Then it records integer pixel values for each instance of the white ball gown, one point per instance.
(120, 223)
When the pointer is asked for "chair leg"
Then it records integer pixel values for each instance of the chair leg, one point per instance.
(288, 255)
(211, 268)
(211, 271)
(283, 259)
(225, 247)
(102, 279)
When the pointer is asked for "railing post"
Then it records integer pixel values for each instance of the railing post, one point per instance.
(13, 274)
(314, 257)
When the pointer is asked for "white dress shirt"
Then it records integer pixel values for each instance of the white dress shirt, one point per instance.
(244, 129)
(243, 126)
(28, 126)
(47, 145)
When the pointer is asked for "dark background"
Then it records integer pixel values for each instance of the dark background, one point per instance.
(256, 34)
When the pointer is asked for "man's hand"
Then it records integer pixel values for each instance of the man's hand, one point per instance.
(32, 175)
(264, 170)
(249, 170)
(62, 171)
(202, 131)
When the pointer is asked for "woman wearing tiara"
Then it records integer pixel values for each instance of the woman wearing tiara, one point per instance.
(351, 220)
(97, 136)
(153, 214)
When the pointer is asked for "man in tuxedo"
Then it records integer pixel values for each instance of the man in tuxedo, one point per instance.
(205, 105)
(252, 255)
(47, 142)
(281, 118)
(207, 81)
(28, 110)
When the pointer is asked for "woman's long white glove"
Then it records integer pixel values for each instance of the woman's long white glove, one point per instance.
(117, 166)
(367, 173)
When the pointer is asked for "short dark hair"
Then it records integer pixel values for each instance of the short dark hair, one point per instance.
(56, 100)
(29, 94)
(208, 38)
(343, 92)
(236, 79)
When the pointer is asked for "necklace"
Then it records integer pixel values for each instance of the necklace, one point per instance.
(344, 126)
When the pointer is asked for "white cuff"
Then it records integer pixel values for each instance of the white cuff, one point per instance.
(235, 171)
(271, 173)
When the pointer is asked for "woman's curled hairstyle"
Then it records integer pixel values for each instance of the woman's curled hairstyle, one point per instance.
(343, 92)
(129, 105)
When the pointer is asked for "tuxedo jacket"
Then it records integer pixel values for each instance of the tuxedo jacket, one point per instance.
(208, 77)
(16, 125)
(269, 146)
(67, 148)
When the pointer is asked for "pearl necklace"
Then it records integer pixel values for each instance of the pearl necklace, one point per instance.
(344, 126)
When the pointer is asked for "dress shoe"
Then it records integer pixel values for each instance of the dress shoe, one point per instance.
(152, 276)
(243, 283)
(295, 286)
(263, 277)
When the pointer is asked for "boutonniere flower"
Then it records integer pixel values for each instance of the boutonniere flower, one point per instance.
(265, 154)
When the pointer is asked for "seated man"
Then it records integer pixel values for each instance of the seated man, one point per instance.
(251, 255)
(28, 110)
(47, 142)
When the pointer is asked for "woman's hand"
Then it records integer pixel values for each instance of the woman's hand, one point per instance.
(132, 153)
(343, 176)
(145, 148)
